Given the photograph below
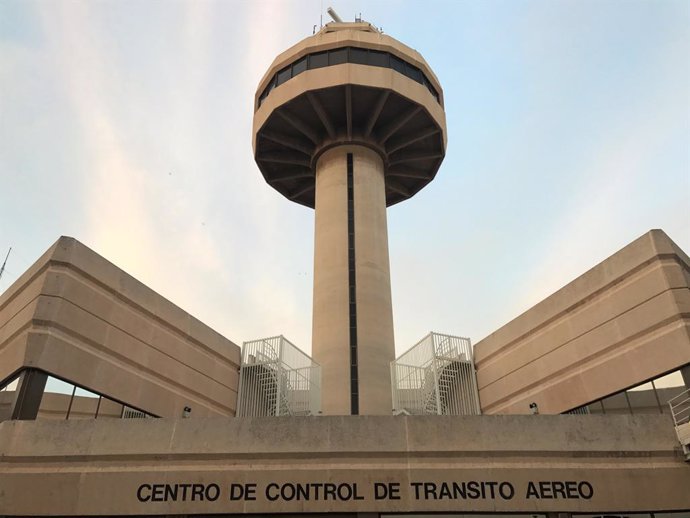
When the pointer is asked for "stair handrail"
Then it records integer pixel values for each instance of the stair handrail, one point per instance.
(680, 408)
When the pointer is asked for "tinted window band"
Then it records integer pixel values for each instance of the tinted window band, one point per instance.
(356, 55)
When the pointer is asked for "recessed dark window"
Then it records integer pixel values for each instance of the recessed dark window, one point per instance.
(318, 60)
(358, 56)
(397, 64)
(413, 73)
(283, 76)
(355, 55)
(337, 56)
(299, 66)
(378, 58)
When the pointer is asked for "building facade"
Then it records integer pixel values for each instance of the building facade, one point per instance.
(115, 402)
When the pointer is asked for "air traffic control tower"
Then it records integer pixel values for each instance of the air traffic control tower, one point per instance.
(350, 121)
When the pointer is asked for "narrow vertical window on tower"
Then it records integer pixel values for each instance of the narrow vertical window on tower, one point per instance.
(354, 378)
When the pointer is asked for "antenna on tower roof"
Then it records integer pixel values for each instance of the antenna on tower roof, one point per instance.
(2, 268)
(334, 15)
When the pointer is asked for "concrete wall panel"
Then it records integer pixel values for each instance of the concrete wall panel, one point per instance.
(82, 319)
(632, 463)
(624, 321)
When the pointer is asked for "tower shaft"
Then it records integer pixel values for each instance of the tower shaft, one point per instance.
(352, 335)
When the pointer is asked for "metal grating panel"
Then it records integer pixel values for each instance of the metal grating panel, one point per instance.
(436, 376)
(277, 379)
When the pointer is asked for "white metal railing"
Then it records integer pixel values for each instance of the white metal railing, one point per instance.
(131, 413)
(583, 410)
(436, 376)
(680, 408)
(276, 379)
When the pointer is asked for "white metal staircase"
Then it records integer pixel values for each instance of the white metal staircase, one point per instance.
(277, 379)
(680, 410)
(436, 377)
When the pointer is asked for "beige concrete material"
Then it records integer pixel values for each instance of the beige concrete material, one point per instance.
(331, 324)
(376, 345)
(625, 321)
(393, 120)
(77, 316)
(330, 320)
(349, 104)
(631, 463)
(335, 35)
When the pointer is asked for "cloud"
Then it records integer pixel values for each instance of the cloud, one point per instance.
(171, 193)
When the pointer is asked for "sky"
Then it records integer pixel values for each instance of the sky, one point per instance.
(127, 125)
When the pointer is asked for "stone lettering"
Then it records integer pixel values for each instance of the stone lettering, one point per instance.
(559, 490)
(348, 491)
(242, 491)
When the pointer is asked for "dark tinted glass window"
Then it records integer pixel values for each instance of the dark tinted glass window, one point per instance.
(299, 66)
(269, 88)
(358, 56)
(318, 60)
(350, 55)
(413, 73)
(430, 87)
(397, 64)
(283, 76)
(378, 59)
(338, 56)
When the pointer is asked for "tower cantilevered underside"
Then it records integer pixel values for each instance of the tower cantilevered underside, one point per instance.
(350, 121)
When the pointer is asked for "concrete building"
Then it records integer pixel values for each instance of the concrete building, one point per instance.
(348, 122)
(115, 402)
(78, 318)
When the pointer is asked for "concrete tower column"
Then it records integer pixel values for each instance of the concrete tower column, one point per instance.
(353, 317)
(351, 103)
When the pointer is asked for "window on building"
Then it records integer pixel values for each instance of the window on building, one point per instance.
(397, 64)
(318, 60)
(337, 56)
(650, 397)
(358, 56)
(354, 55)
(299, 66)
(60, 399)
(379, 59)
(283, 76)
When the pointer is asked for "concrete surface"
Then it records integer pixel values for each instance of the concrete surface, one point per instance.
(98, 467)
(77, 316)
(623, 322)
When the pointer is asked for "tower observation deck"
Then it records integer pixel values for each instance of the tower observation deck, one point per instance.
(348, 122)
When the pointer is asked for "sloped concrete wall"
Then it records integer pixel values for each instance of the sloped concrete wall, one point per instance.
(77, 316)
(624, 321)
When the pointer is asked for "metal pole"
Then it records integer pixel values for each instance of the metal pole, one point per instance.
(2, 268)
